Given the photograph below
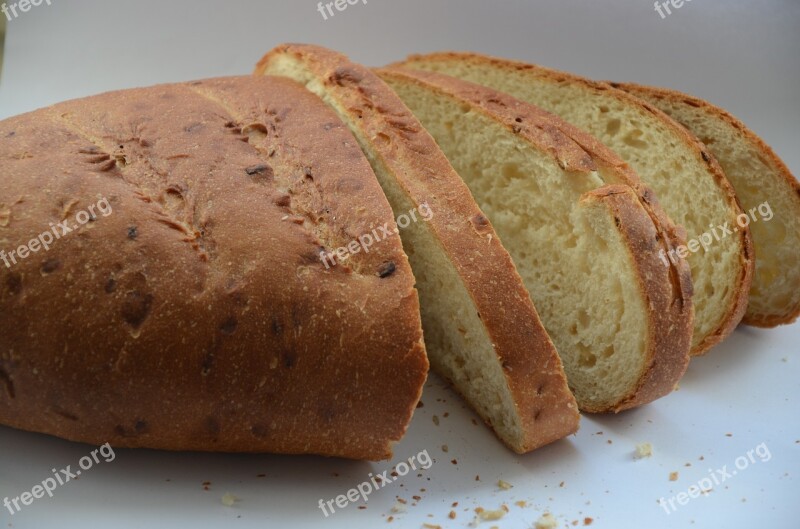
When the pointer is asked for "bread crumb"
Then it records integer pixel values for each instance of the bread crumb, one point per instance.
(436, 420)
(504, 485)
(486, 516)
(587, 521)
(398, 508)
(445, 448)
(673, 476)
(228, 499)
(452, 515)
(643, 450)
(431, 526)
(522, 504)
(547, 521)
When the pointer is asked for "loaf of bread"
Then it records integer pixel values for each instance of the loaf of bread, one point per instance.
(587, 251)
(481, 329)
(765, 188)
(190, 307)
(685, 176)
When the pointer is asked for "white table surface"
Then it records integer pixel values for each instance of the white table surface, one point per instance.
(740, 54)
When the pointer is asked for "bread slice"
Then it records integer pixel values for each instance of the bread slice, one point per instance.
(481, 329)
(685, 176)
(587, 251)
(195, 312)
(765, 187)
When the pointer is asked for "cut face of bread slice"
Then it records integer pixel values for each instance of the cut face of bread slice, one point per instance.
(481, 329)
(686, 178)
(765, 188)
(196, 312)
(587, 251)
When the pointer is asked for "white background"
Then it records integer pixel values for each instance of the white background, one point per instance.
(741, 54)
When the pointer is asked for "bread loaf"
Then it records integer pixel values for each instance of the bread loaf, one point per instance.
(684, 175)
(481, 329)
(198, 314)
(587, 251)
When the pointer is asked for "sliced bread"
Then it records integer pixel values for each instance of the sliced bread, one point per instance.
(481, 329)
(685, 176)
(587, 251)
(765, 188)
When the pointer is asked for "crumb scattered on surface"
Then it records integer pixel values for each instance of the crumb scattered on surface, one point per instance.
(436, 420)
(587, 521)
(452, 515)
(673, 476)
(206, 485)
(486, 516)
(445, 448)
(546, 521)
(728, 434)
(521, 504)
(398, 507)
(477, 477)
(504, 485)
(228, 499)
(431, 526)
(643, 450)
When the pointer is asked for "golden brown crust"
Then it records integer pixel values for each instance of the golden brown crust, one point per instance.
(198, 315)
(532, 367)
(766, 152)
(667, 288)
(738, 304)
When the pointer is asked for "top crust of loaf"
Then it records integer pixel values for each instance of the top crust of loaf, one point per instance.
(738, 304)
(531, 365)
(778, 166)
(198, 315)
(667, 289)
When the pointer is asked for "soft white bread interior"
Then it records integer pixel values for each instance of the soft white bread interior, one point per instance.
(687, 180)
(588, 252)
